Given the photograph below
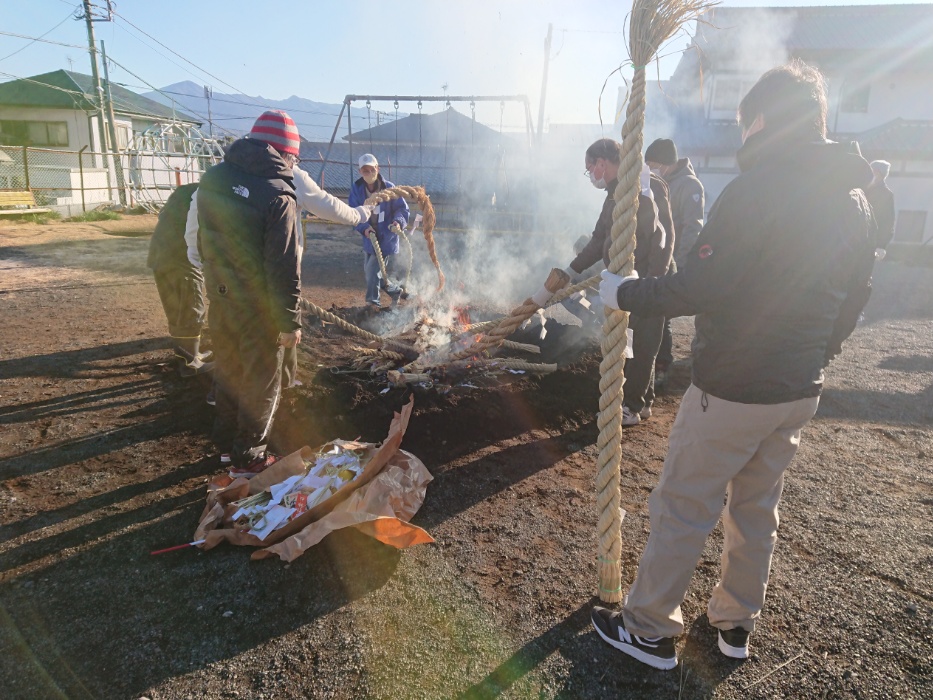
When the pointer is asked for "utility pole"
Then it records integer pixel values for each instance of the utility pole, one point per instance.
(208, 93)
(95, 74)
(114, 147)
(547, 60)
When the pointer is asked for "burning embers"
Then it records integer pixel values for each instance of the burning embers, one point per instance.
(419, 353)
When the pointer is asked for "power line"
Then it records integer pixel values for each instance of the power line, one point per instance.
(208, 73)
(44, 41)
(40, 37)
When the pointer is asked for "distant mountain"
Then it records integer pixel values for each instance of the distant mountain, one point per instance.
(235, 113)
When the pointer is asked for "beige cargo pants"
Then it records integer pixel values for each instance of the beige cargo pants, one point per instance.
(717, 449)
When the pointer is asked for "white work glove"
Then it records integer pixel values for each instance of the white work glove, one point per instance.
(574, 275)
(609, 287)
(290, 340)
(880, 253)
(395, 228)
(365, 211)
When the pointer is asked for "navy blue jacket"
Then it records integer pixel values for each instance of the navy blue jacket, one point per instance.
(393, 211)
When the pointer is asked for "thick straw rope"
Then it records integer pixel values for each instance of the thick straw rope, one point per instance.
(508, 325)
(651, 23)
(382, 261)
(350, 328)
(420, 197)
(379, 353)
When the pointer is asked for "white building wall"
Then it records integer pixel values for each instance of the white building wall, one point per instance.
(898, 96)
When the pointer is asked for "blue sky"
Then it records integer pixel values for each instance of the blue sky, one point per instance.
(324, 50)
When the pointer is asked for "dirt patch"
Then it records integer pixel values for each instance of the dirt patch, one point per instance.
(103, 457)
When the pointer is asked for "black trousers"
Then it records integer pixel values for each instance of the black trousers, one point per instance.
(666, 351)
(248, 378)
(639, 370)
(181, 290)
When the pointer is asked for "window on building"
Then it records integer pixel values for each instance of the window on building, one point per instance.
(726, 95)
(855, 97)
(23, 133)
(910, 226)
(123, 137)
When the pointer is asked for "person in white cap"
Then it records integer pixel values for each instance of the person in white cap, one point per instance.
(384, 225)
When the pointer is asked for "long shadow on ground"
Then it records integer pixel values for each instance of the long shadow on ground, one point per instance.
(112, 621)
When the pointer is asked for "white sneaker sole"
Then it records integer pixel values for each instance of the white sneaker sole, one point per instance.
(638, 654)
(731, 651)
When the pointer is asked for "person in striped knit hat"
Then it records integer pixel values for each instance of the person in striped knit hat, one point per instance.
(251, 244)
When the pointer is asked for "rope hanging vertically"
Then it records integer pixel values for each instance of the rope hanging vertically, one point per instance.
(651, 23)
(419, 197)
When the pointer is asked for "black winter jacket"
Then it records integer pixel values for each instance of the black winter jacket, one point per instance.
(249, 236)
(778, 276)
(649, 236)
(167, 247)
(688, 201)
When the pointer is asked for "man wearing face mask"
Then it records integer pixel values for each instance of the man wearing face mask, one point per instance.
(602, 162)
(384, 225)
(776, 280)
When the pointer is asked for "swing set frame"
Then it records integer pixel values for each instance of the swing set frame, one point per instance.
(419, 99)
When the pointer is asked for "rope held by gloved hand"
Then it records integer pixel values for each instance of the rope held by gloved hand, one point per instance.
(651, 23)
(420, 197)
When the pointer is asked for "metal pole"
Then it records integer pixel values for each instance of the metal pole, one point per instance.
(114, 148)
(547, 59)
(332, 137)
(26, 166)
(350, 139)
(208, 93)
(98, 100)
(81, 171)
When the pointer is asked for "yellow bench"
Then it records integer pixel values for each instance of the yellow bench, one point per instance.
(20, 202)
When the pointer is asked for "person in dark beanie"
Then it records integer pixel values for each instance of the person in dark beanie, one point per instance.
(776, 280)
(250, 244)
(688, 200)
(180, 283)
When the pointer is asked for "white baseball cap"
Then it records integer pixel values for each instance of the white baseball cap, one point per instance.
(368, 159)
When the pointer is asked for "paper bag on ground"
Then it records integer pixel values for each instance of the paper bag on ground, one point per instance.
(407, 492)
(380, 509)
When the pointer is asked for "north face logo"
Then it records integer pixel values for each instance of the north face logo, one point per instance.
(240, 190)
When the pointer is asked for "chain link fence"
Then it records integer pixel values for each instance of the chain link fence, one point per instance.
(72, 182)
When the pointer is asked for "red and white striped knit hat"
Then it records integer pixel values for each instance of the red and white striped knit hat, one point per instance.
(277, 129)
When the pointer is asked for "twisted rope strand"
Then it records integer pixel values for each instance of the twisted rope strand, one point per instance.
(420, 197)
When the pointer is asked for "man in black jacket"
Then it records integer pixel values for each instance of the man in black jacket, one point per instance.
(776, 280)
(652, 257)
(251, 247)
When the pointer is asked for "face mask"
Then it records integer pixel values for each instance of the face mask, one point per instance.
(599, 184)
(371, 178)
(656, 171)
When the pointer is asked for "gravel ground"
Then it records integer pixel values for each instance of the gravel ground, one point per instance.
(103, 457)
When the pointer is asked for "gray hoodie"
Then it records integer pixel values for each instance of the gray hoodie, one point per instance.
(687, 208)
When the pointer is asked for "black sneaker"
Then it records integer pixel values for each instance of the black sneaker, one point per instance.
(734, 643)
(657, 652)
